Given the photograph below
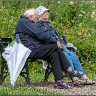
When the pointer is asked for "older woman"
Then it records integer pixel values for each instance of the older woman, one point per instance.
(45, 26)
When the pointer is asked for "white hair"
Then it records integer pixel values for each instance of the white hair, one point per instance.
(29, 12)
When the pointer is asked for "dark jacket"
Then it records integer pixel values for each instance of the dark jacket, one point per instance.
(34, 35)
(45, 27)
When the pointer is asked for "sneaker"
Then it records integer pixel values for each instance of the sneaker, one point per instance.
(61, 85)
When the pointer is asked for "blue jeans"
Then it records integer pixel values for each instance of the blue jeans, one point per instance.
(74, 60)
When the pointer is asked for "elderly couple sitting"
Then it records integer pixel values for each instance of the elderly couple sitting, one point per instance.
(36, 33)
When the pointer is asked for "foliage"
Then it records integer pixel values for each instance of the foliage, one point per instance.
(76, 20)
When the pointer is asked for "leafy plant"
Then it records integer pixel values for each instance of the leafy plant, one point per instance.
(76, 20)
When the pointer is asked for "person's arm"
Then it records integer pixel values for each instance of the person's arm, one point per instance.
(58, 39)
(36, 32)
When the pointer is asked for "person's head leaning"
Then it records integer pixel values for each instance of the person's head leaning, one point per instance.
(32, 14)
(43, 13)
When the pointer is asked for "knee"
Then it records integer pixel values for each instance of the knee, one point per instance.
(54, 55)
(60, 50)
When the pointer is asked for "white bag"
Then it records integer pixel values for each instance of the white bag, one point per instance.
(15, 57)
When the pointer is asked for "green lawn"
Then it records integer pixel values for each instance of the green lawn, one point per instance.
(25, 91)
(36, 87)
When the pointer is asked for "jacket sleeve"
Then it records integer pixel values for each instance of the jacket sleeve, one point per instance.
(40, 33)
(57, 35)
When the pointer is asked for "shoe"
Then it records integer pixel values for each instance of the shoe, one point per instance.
(79, 75)
(61, 85)
(78, 82)
(88, 82)
(83, 82)
(72, 74)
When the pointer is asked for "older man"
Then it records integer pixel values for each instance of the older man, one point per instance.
(43, 46)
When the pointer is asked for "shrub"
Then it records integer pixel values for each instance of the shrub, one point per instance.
(77, 20)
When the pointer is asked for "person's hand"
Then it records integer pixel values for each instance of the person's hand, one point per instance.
(59, 44)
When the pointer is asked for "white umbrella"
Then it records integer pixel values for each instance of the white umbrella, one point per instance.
(16, 57)
(22, 55)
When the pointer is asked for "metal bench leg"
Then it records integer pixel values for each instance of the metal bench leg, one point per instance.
(27, 74)
(4, 71)
(47, 73)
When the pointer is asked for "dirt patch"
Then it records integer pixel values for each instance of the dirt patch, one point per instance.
(74, 90)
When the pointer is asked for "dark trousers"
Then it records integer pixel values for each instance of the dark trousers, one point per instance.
(54, 55)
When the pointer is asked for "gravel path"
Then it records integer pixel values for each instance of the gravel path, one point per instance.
(84, 90)
(74, 90)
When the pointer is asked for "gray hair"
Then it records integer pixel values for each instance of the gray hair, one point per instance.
(29, 12)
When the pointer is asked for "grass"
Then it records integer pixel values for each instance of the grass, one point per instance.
(8, 91)
(36, 87)
(21, 88)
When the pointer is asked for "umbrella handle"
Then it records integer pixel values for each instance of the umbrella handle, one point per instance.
(17, 38)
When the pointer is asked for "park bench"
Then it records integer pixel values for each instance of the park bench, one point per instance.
(25, 72)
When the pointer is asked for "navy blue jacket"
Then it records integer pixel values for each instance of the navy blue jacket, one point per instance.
(35, 35)
(45, 27)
